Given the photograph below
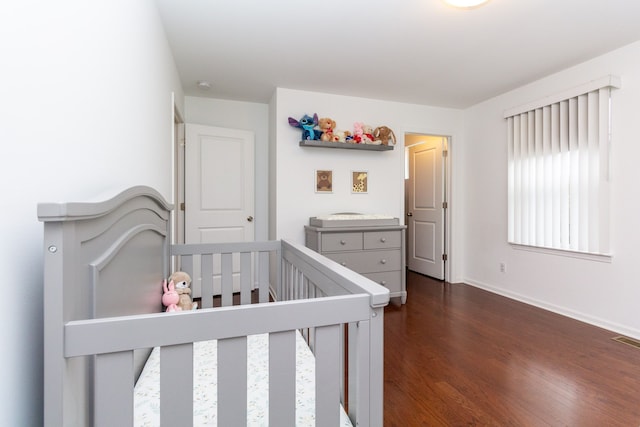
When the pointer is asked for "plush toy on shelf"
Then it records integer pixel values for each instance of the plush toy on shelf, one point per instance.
(384, 135)
(170, 297)
(348, 136)
(307, 124)
(327, 127)
(182, 282)
(358, 131)
(339, 136)
(367, 135)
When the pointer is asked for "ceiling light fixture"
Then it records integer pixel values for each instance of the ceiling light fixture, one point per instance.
(204, 85)
(465, 4)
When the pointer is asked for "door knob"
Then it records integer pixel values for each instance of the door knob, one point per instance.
(410, 214)
(250, 218)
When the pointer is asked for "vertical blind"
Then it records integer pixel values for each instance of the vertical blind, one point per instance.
(558, 170)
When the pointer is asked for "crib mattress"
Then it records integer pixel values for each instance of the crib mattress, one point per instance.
(147, 389)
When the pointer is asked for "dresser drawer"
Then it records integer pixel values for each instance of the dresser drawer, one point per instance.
(382, 239)
(332, 242)
(368, 262)
(391, 280)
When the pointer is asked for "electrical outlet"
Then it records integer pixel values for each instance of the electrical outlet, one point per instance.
(503, 267)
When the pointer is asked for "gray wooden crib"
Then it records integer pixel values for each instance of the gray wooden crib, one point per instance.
(104, 266)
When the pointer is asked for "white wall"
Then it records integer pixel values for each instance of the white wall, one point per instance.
(246, 116)
(606, 294)
(294, 166)
(86, 108)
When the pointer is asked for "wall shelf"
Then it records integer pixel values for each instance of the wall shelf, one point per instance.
(345, 145)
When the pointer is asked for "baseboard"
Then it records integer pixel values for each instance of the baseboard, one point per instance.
(582, 317)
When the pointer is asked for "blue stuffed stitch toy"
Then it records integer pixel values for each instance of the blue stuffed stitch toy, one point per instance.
(307, 124)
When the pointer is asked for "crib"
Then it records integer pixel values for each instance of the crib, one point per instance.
(104, 263)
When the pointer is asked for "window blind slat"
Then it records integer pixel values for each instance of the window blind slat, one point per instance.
(511, 219)
(592, 161)
(532, 179)
(584, 129)
(565, 171)
(574, 197)
(540, 179)
(517, 181)
(548, 176)
(556, 176)
(601, 224)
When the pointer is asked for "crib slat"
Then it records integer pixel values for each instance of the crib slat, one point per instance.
(114, 393)
(327, 353)
(245, 278)
(206, 281)
(232, 382)
(263, 277)
(359, 365)
(282, 378)
(186, 265)
(226, 270)
(176, 397)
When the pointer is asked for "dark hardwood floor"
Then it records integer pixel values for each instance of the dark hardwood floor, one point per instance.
(456, 355)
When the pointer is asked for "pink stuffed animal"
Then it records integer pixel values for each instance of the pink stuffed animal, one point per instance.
(358, 131)
(170, 298)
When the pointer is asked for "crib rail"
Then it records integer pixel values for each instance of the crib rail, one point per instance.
(220, 265)
(311, 293)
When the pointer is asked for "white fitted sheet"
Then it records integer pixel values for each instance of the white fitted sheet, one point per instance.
(147, 389)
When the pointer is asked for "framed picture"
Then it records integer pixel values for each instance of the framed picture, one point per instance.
(359, 182)
(324, 181)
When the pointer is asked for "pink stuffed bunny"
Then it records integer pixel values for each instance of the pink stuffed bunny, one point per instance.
(170, 297)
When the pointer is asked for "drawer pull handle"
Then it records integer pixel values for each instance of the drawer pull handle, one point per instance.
(383, 261)
(382, 239)
(342, 242)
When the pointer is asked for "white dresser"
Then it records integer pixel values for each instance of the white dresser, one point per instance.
(375, 251)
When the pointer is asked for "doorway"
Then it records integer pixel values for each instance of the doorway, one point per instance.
(218, 192)
(426, 203)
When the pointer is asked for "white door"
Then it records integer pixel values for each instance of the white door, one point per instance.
(219, 188)
(425, 208)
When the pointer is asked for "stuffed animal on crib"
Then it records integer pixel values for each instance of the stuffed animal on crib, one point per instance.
(326, 126)
(182, 282)
(307, 124)
(384, 135)
(170, 297)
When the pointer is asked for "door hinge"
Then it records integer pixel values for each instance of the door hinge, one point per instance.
(182, 206)
(444, 205)
(444, 257)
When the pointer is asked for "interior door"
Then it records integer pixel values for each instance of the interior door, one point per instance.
(425, 208)
(219, 189)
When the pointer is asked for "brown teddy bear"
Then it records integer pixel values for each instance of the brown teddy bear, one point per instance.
(384, 134)
(326, 126)
(182, 283)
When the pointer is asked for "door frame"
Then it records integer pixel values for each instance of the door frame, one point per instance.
(447, 195)
(178, 231)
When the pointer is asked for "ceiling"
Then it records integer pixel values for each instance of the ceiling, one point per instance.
(410, 51)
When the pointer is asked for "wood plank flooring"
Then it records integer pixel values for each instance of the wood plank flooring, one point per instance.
(456, 355)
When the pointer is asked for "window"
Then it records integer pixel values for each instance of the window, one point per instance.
(558, 170)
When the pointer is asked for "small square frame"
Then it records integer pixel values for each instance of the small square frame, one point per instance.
(359, 182)
(324, 181)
